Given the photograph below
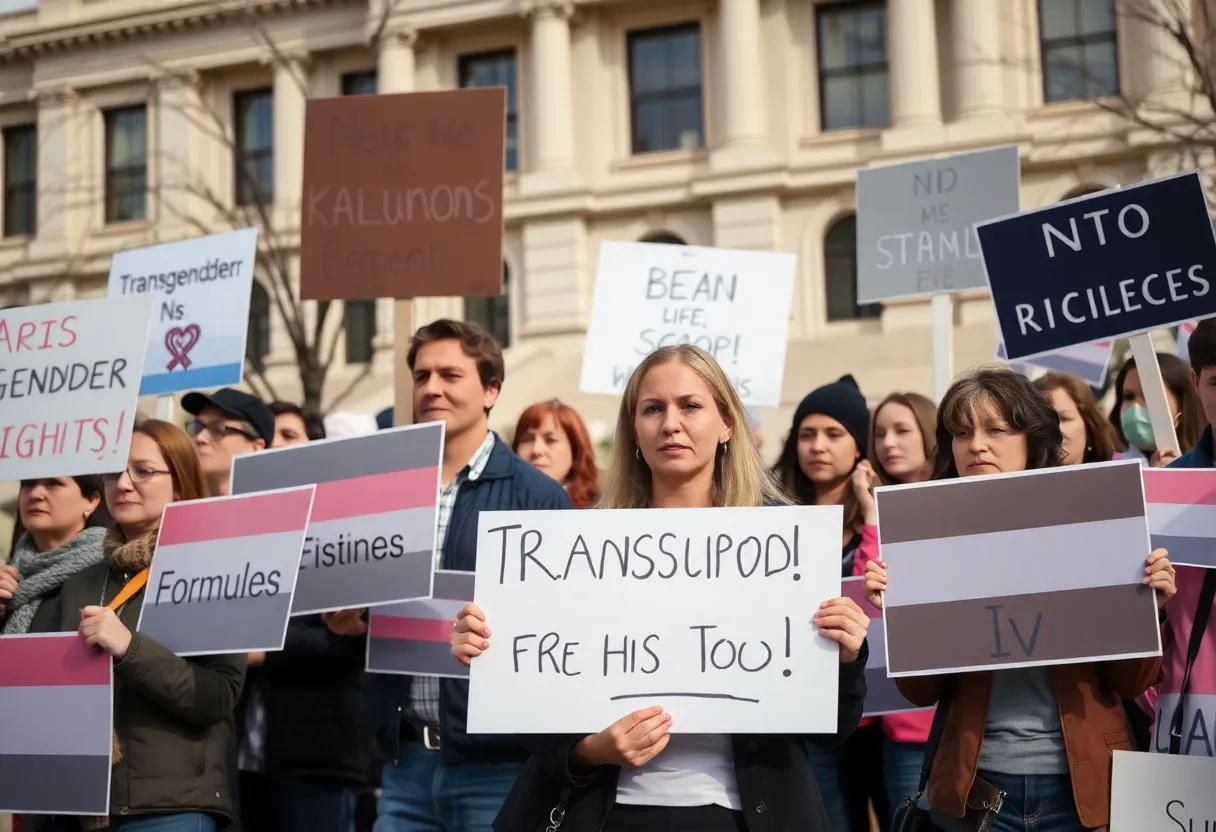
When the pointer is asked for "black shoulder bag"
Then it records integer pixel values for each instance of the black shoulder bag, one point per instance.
(1202, 613)
(983, 801)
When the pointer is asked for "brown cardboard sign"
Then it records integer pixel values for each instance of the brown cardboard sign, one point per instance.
(403, 195)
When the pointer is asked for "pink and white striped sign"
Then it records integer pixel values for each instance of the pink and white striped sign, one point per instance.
(225, 571)
(1088, 362)
(1181, 510)
(414, 637)
(57, 705)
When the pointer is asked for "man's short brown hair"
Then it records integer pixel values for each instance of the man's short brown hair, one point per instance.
(474, 339)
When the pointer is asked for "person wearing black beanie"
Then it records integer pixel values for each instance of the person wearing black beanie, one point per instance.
(828, 437)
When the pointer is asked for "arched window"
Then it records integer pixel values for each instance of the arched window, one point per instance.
(493, 313)
(664, 237)
(840, 273)
(257, 345)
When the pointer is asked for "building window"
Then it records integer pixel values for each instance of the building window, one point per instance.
(254, 152)
(493, 313)
(496, 69)
(257, 343)
(359, 320)
(854, 84)
(126, 164)
(1079, 46)
(359, 83)
(665, 89)
(20, 181)
(840, 273)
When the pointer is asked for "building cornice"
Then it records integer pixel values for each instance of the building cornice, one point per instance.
(184, 17)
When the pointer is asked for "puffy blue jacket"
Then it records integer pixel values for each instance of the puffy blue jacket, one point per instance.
(507, 484)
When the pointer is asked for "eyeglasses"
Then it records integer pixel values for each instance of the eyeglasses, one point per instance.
(138, 474)
(220, 430)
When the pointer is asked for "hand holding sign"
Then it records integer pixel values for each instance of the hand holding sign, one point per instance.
(470, 635)
(876, 581)
(632, 741)
(8, 585)
(1160, 574)
(100, 627)
(841, 620)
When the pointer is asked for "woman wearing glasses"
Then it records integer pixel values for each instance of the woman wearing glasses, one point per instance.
(173, 717)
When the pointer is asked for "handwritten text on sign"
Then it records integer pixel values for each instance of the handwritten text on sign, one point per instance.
(1161, 793)
(202, 289)
(916, 222)
(69, 381)
(706, 612)
(733, 304)
(1102, 266)
(403, 195)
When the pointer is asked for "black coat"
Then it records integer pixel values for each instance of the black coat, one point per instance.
(776, 785)
(316, 714)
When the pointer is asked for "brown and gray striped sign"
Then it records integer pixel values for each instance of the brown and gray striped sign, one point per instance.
(1034, 568)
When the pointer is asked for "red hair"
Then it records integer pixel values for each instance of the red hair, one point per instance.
(583, 483)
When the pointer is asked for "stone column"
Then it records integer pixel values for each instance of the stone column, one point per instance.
(180, 177)
(912, 54)
(395, 61)
(1166, 65)
(552, 103)
(290, 92)
(739, 22)
(977, 45)
(61, 187)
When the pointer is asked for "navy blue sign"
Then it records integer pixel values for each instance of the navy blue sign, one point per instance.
(1103, 266)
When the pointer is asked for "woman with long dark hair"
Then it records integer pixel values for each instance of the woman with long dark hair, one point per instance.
(551, 437)
(1129, 415)
(1041, 735)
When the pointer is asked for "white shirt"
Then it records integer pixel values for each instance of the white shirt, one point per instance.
(693, 770)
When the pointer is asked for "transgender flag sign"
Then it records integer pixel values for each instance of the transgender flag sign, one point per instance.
(1181, 508)
(414, 637)
(55, 733)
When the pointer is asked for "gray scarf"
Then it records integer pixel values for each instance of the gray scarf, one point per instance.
(44, 572)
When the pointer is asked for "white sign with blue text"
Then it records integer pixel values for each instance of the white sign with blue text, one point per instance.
(1101, 266)
(916, 222)
(733, 304)
(201, 290)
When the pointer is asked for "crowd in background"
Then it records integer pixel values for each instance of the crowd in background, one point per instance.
(304, 739)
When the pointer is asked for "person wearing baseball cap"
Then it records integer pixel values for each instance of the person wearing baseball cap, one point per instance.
(226, 423)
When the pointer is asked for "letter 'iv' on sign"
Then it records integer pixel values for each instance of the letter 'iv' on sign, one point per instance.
(705, 612)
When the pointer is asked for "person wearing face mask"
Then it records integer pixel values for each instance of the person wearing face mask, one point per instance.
(551, 437)
(61, 523)
(1042, 735)
(1130, 417)
(681, 442)
(173, 716)
(827, 440)
(1088, 437)
(901, 451)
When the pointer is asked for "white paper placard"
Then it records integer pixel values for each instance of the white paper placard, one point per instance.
(733, 304)
(201, 288)
(69, 386)
(1160, 792)
(706, 612)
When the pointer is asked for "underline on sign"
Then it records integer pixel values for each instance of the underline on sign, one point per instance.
(729, 696)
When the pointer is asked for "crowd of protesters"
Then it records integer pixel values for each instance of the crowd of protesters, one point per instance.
(304, 739)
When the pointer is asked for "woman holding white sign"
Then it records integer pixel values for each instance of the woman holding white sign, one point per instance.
(676, 447)
(1025, 748)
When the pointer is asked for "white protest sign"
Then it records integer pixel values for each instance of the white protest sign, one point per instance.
(201, 289)
(1158, 792)
(69, 384)
(706, 612)
(733, 304)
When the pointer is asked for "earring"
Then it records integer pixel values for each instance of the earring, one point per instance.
(637, 452)
(85, 516)
(725, 447)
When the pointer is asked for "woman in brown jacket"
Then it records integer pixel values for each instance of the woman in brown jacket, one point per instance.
(1042, 735)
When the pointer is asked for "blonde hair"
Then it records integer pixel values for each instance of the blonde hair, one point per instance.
(740, 476)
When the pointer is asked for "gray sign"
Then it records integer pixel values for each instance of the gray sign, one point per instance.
(916, 222)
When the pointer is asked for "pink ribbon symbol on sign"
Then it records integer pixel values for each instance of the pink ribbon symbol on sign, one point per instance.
(179, 341)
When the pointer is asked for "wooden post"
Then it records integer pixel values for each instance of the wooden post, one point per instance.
(403, 381)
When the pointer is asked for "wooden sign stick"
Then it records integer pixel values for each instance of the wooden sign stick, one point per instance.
(403, 380)
(1153, 386)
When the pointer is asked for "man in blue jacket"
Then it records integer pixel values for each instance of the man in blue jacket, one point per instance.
(438, 777)
(1201, 348)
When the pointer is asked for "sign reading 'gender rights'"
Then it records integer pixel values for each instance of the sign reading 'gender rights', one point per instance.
(706, 612)
(735, 305)
(69, 385)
